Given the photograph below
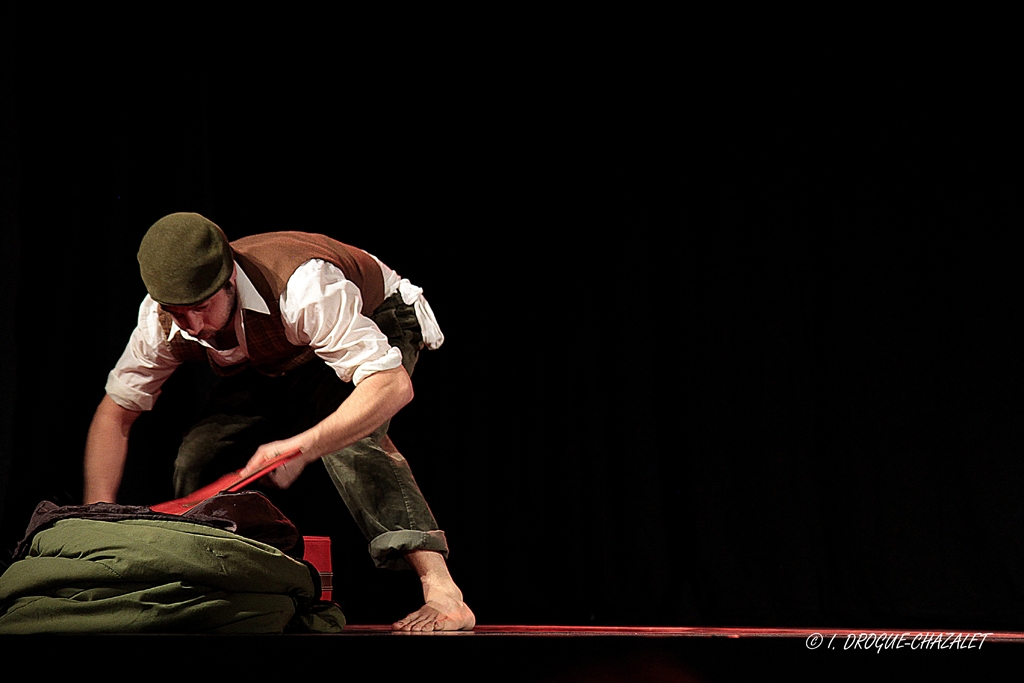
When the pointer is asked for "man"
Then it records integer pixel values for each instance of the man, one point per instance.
(290, 321)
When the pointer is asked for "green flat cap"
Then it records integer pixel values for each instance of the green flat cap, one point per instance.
(184, 258)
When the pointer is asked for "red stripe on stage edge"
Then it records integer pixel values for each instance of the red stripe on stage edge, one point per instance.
(698, 632)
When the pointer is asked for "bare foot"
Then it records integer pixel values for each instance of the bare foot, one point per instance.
(443, 608)
(440, 615)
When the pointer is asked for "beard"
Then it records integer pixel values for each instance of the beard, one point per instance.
(224, 338)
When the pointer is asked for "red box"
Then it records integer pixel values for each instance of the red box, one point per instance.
(318, 554)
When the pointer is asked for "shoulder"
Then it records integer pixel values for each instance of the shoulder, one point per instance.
(315, 280)
(153, 323)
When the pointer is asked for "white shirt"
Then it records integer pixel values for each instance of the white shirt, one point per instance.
(320, 308)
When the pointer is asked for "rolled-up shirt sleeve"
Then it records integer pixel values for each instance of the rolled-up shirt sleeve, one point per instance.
(144, 366)
(321, 309)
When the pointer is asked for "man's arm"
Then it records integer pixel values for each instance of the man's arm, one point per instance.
(372, 402)
(106, 448)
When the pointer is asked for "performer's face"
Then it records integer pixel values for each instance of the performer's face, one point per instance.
(207, 318)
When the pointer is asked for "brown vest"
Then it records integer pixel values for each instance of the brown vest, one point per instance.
(269, 260)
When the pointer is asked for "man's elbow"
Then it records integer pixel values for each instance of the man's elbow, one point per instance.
(393, 387)
(405, 390)
(110, 413)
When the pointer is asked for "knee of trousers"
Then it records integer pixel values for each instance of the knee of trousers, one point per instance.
(366, 464)
(198, 449)
(193, 456)
(379, 490)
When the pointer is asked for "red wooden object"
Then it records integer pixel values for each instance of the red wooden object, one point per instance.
(229, 483)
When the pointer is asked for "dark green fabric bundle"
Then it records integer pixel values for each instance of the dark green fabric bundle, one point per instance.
(157, 576)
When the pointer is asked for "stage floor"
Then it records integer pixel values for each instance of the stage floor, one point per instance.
(643, 654)
(923, 639)
(589, 654)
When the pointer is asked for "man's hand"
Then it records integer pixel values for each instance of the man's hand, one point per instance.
(281, 477)
(373, 402)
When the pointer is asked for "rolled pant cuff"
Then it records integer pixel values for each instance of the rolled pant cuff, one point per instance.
(387, 550)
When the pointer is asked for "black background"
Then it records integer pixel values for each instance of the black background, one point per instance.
(730, 342)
